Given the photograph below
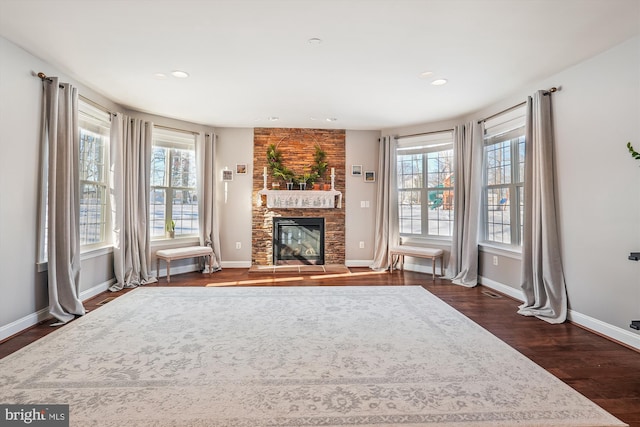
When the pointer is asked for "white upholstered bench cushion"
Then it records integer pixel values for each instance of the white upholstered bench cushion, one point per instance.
(418, 252)
(188, 252)
(181, 253)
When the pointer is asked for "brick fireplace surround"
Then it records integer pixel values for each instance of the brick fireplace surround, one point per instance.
(298, 149)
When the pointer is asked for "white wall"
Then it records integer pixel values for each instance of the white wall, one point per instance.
(234, 146)
(596, 112)
(362, 149)
(23, 288)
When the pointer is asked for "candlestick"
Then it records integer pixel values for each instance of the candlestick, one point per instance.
(333, 171)
(264, 177)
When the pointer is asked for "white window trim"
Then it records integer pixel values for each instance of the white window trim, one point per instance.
(423, 144)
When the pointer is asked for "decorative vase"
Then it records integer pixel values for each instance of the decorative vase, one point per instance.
(303, 185)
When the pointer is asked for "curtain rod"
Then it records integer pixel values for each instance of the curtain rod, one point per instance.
(176, 129)
(43, 76)
(423, 133)
(548, 92)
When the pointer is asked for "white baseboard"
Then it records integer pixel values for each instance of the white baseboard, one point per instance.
(41, 315)
(504, 289)
(236, 264)
(423, 268)
(358, 262)
(26, 322)
(96, 290)
(612, 332)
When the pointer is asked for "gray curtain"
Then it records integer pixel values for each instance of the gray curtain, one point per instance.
(463, 262)
(207, 213)
(387, 227)
(61, 142)
(130, 161)
(542, 275)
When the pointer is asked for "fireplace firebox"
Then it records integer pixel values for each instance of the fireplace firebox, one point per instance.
(298, 241)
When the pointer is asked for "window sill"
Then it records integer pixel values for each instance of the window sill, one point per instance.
(425, 241)
(174, 243)
(84, 255)
(508, 252)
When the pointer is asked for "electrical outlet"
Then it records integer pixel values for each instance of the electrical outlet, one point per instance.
(238, 245)
(361, 245)
(495, 260)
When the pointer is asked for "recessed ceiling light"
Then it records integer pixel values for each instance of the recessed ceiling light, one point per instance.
(313, 118)
(426, 74)
(439, 82)
(273, 118)
(160, 76)
(180, 74)
(331, 119)
(314, 40)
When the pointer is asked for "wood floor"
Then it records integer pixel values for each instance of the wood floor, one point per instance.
(605, 372)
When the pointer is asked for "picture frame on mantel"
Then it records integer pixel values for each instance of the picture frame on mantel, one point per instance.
(241, 169)
(356, 170)
(227, 175)
(370, 176)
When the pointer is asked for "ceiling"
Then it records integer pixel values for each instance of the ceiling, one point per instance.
(251, 60)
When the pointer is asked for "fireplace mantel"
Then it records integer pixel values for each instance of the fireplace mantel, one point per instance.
(297, 199)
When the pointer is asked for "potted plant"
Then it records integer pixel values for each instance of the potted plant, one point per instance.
(171, 229)
(320, 164)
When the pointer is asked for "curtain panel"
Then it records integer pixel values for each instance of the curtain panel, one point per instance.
(467, 147)
(542, 273)
(130, 163)
(387, 227)
(207, 212)
(61, 145)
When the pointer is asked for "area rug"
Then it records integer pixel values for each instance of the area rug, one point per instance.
(294, 356)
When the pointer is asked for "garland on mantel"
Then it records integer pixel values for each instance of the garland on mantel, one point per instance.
(280, 171)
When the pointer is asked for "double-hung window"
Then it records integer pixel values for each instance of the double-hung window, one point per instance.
(503, 198)
(425, 178)
(173, 206)
(94, 126)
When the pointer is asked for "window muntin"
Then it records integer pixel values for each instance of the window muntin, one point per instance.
(93, 167)
(425, 186)
(173, 184)
(503, 187)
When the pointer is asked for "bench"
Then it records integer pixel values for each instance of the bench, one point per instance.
(418, 252)
(169, 255)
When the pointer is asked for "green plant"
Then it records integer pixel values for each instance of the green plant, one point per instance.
(274, 161)
(309, 178)
(320, 164)
(633, 152)
(171, 225)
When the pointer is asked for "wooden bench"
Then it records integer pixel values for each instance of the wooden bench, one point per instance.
(169, 255)
(418, 252)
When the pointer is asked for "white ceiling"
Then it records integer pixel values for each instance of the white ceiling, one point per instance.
(249, 60)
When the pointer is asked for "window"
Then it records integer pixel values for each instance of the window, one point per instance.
(503, 198)
(94, 160)
(174, 199)
(425, 185)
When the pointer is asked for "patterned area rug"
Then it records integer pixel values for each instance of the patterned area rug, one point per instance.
(294, 356)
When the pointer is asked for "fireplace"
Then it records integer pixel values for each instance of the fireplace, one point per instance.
(298, 241)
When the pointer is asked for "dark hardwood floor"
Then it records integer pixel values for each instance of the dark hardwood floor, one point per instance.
(602, 370)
